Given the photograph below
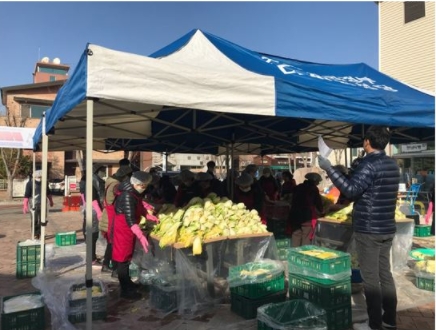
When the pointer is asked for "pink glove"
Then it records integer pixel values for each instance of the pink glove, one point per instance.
(83, 199)
(151, 217)
(97, 209)
(138, 232)
(147, 206)
(25, 205)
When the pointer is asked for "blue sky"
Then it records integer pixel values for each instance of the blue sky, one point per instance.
(325, 32)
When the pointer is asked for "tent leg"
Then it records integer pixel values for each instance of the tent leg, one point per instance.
(89, 146)
(43, 190)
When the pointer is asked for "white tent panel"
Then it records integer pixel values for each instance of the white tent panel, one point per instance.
(114, 75)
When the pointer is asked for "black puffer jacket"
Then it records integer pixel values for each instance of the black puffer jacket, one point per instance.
(374, 188)
(128, 202)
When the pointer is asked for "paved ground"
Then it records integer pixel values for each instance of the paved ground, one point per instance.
(14, 227)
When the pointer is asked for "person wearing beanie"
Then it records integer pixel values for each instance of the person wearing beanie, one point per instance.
(187, 189)
(248, 193)
(106, 223)
(305, 208)
(35, 217)
(129, 208)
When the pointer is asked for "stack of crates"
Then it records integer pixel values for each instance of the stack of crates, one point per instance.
(283, 244)
(76, 308)
(267, 288)
(322, 276)
(28, 259)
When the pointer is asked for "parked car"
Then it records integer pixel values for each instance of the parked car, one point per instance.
(57, 185)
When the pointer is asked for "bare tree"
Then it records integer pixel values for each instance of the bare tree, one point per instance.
(338, 155)
(11, 157)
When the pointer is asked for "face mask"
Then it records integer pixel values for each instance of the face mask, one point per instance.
(245, 189)
(140, 190)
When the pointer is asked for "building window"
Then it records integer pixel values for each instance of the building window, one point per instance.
(52, 78)
(413, 10)
(189, 157)
(33, 111)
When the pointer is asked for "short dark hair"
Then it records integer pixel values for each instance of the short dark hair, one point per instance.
(211, 163)
(378, 137)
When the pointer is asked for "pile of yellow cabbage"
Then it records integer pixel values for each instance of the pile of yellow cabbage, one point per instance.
(204, 219)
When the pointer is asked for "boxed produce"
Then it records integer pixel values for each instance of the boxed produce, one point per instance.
(319, 262)
(23, 312)
(257, 279)
(76, 308)
(425, 273)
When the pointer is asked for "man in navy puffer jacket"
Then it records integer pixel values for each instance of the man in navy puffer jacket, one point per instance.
(374, 187)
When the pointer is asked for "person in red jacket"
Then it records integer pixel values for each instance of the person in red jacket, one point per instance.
(248, 193)
(305, 208)
(129, 209)
(269, 185)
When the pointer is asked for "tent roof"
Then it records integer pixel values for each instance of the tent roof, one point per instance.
(202, 93)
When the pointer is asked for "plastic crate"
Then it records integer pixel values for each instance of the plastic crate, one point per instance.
(164, 297)
(77, 307)
(27, 269)
(311, 264)
(247, 308)
(283, 254)
(65, 239)
(283, 243)
(291, 314)
(28, 253)
(32, 319)
(276, 226)
(278, 210)
(425, 283)
(422, 231)
(339, 318)
(322, 292)
(261, 288)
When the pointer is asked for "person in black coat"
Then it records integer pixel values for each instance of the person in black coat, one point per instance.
(35, 217)
(373, 186)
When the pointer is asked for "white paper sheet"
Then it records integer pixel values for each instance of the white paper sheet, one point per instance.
(323, 148)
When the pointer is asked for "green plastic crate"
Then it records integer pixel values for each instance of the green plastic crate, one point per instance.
(425, 283)
(283, 254)
(422, 231)
(65, 239)
(32, 319)
(340, 317)
(322, 292)
(332, 266)
(77, 307)
(276, 226)
(247, 308)
(27, 269)
(283, 243)
(261, 288)
(291, 314)
(28, 253)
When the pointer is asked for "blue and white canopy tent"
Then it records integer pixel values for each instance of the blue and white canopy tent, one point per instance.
(202, 94)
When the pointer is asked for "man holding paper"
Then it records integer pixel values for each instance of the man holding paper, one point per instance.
(373, 186)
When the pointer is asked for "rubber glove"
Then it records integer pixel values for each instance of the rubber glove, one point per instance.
(138, 233)
(324, 163)
(83, 199)
(50, 199)
(97, 209)
(147, 206)
(25, 205)
(151, 217)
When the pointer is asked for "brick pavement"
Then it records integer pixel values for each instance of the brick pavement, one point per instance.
(14, 227)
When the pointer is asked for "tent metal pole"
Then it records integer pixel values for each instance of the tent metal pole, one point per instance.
(32, 210)
(43, 190)
(88, 276)
(232, 186)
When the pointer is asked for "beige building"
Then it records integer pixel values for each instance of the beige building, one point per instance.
(407, 53)
(407, 42)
